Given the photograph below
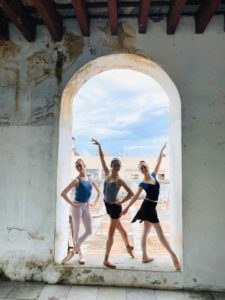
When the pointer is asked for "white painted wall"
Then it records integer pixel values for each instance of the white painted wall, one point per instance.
(29, 116)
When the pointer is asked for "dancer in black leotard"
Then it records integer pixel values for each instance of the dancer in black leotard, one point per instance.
(147, 212)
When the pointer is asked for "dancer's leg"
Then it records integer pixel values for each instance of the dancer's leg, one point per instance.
(125, 238)
(166, 244)
(76, 216)
(86, 218)
(75, 224)
(146, 230)
(109, 243)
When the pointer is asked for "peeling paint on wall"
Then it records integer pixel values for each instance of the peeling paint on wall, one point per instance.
(40, 64)
(74, 45)
(42, 113)
(31, 235)
(9, 96)
(8, 49)
(59, 66)
(124, 41)
(44, 107)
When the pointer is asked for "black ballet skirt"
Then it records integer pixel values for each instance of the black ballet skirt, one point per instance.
(147, 211)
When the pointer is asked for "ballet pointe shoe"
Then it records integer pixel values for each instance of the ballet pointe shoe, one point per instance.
(76, 249)
(147, 259)
(176, 263)
(130, 250)
(68, 257)
(81, 259)
(108, 264)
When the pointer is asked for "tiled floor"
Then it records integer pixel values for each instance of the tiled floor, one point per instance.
(134, 230)
(31, 291)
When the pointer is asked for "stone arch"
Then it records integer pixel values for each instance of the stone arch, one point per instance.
(92, 68)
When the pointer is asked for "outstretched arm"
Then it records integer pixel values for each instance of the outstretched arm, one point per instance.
(101, 155)
(159, 160)
(134, 198)
(64, 193)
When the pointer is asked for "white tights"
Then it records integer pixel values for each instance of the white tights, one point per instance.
(78, 213)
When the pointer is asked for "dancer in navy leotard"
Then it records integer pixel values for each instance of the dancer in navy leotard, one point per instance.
(147, 212)
(80, 208)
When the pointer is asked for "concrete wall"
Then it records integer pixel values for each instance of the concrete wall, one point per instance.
(32, 79)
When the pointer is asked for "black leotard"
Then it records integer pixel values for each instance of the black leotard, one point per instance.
(147, 211)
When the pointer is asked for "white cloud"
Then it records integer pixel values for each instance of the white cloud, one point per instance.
(142, 146)
(160, 112)
(114, 100)
(129, 79)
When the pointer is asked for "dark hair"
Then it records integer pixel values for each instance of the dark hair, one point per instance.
(142, 162)
(115, 159)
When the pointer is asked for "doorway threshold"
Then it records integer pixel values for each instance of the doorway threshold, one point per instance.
(158, 274)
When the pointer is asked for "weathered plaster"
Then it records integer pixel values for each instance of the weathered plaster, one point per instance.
(29, 234)
(21, 268)
(9, 101)
(40, 64)
(44, 108)
(124, 41)
(8, 49)
(74, 45)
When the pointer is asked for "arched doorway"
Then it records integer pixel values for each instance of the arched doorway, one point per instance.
(150, 68)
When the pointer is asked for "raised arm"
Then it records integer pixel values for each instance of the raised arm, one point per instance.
(133, 199)
(65, 192)
(120, 182)
(159, 160)
(101, 155)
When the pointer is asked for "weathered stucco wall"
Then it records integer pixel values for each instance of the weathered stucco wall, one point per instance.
(32, 79)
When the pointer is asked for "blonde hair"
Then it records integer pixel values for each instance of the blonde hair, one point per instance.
(80, 160)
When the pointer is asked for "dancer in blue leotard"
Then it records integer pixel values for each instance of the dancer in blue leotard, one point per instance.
(80, 207)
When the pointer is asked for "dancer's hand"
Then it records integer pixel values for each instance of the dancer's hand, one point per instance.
(75, 204)
(164, 147)
(124, 211)
(95, 142)
(91, 204)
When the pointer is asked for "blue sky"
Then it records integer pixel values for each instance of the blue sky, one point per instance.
(125, 110)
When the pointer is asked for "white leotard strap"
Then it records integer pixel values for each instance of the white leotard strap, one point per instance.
(155, 201)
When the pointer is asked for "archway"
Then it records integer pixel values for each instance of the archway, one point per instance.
(150, 68)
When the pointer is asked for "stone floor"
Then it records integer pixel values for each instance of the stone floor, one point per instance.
(124, 263)
(94, 246)
(25, 291)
